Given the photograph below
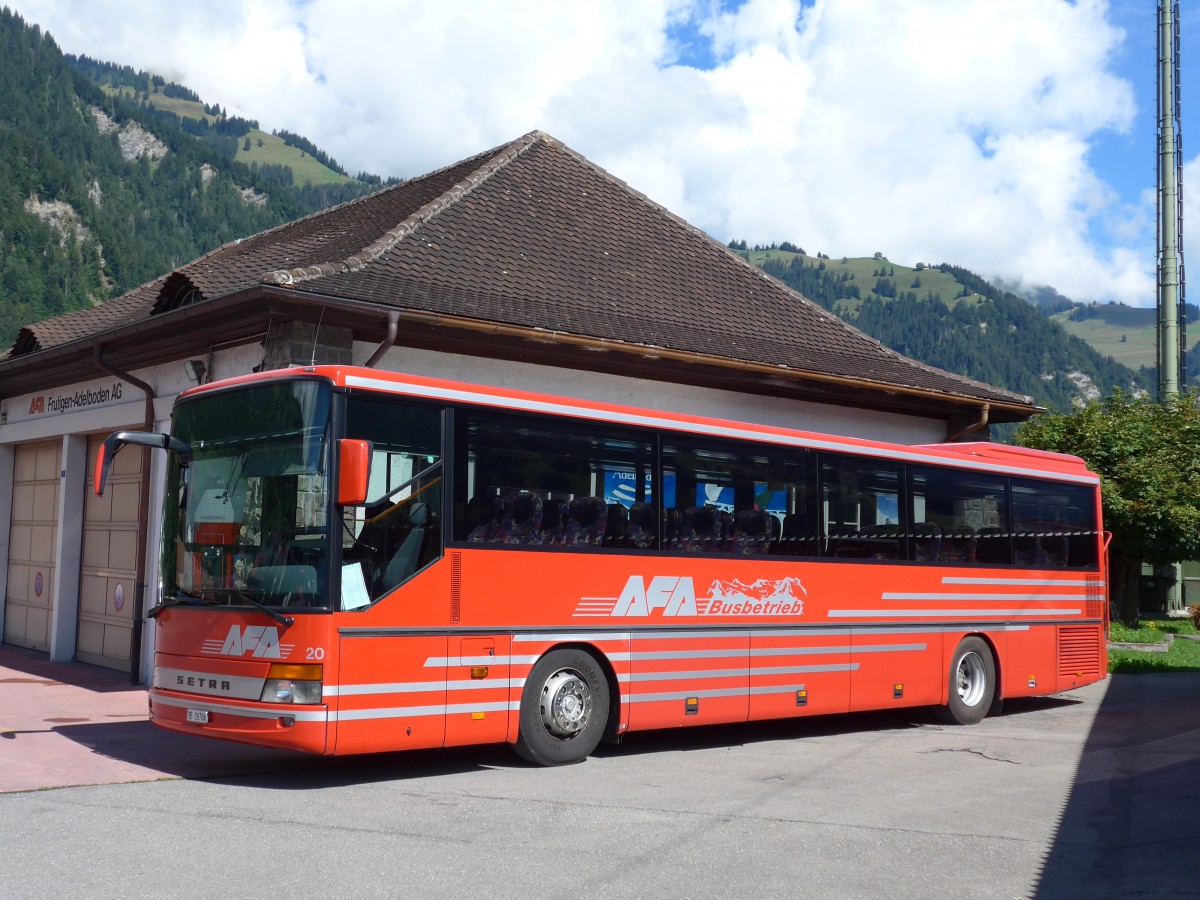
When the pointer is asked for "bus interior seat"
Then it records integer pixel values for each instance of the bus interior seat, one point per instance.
(587, 518)
(642, 533)
(797, 537)
(751, 531)
(704, 529)
(521, 520)
(927, 541)
(960, 544)
(672, 523)
(404, 561)
(483, 518)
(554, 520)
(991, 545)
(616, 529)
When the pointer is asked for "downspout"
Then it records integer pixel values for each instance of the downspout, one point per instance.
(984, 411)
(139, 592)
(393, 329)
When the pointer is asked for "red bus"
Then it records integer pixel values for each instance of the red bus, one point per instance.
(357, 561)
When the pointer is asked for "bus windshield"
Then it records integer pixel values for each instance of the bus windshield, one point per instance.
(247, 504)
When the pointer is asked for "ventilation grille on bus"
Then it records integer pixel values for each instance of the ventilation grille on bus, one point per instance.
(455, 588)
(1078, 650)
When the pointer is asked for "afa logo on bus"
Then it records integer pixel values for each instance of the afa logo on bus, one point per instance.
(259, 641)
(675, 596)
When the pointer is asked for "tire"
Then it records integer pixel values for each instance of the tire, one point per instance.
(972, 684)
(564, 709)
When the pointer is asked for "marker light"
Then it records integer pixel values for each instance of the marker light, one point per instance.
(292, 684)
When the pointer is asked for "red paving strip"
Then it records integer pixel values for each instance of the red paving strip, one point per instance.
(64, 724)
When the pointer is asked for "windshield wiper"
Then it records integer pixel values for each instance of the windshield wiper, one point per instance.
(285, 621)
(181, 598)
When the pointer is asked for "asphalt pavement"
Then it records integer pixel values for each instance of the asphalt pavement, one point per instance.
(1092, 793)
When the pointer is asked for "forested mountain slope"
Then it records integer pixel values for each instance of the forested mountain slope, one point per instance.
(100, 192)
(951, 318)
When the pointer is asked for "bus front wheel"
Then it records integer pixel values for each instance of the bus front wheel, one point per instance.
(972, 685)
(564, 709)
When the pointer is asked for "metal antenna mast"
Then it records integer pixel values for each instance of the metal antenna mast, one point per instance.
(1171, 294)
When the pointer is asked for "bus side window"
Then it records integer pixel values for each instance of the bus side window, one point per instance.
(862, 513)
(524, 481)
(397, 531)
(958, 516)
(744, 499)
(1054, 524)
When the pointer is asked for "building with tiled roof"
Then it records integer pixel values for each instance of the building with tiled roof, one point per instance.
(526, 242)
(526, 266)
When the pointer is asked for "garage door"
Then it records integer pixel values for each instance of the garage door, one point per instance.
(109, 566)
(32, 543)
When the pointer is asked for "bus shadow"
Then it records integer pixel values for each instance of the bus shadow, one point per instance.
(1127, 826)
(173, 755)
(710, 737)
(305, 773)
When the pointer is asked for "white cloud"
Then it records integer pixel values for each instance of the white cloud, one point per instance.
(933, 130)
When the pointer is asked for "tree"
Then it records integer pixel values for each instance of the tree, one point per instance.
(1147, 455)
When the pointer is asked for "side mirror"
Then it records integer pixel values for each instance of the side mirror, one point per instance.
(354, 471)
(114, 442)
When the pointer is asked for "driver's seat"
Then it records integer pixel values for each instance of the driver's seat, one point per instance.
(404, 561)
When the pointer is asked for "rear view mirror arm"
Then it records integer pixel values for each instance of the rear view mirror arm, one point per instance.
(115, 441)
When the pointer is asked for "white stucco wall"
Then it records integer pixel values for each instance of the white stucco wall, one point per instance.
(893, 427)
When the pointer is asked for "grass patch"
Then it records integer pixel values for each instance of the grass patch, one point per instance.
(268, 148)
(1184, 655)
(1105, 333)
(865, 272)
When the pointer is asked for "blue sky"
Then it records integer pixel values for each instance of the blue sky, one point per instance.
(1015, 138)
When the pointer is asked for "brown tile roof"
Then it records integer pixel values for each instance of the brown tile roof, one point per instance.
(531, 234)
(85, 323)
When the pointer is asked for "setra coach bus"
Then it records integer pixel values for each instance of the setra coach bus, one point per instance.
(357, 561)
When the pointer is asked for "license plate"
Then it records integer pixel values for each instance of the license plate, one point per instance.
(199, 716)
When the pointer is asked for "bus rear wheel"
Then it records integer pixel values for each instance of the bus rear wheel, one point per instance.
(972, 685)
(564, 709)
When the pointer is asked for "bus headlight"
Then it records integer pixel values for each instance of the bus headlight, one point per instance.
(292, 684)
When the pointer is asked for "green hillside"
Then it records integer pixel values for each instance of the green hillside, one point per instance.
(83, 220)
(871, 277)
(951, 318)
(263, 149)
(1126, 333)
(255, 147)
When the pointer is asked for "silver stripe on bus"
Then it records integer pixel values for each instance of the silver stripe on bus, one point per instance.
(776, 689)
(411, 712)
(941, 629)
(1025, 598)
(413, 687)
(689, 635)
(799, 670)
(1026, 582)
(744, 432)
(891, 613)
(684, 675)
(447, 662)
(576, 636)
(736, 692)
(767, 652)
(300, 715)
(689, 654)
